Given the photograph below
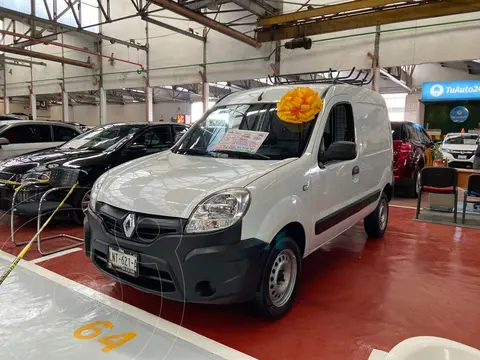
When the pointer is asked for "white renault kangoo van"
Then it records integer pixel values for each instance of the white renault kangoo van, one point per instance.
(230, 212)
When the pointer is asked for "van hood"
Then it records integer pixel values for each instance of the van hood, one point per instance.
(169, 184)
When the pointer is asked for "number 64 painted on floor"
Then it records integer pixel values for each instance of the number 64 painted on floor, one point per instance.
(111, 342)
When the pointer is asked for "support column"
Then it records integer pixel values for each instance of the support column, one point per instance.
(149, 103)
(33, 105)
(103, 106)
(6, 103)
(205, 95)
(66, 116)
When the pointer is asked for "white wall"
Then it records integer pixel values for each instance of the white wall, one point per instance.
(414, 109)
(90, 114)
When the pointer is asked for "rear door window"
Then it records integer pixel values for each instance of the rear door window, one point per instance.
(398, 131)
(23, 134)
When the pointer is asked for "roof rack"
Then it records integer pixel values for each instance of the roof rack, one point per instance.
(361, 78)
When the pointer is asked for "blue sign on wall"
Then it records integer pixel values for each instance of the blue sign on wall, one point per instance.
(451, 90)
(459, 114)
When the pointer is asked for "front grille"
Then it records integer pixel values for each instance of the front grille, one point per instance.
(149, 278)
(147, 228)
(457, 154)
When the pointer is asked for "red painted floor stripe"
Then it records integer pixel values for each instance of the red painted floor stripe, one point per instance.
(356, 295)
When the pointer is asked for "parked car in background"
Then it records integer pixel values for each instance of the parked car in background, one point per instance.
(23, 136)
(9, 117)
(459, 149)
(94, 151)
(82, 127)
(22, 116)
(412, 151)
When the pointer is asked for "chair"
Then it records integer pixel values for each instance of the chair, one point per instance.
(438, 180)
(60, 180)
(473, 190)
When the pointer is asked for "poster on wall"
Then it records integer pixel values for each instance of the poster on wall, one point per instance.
(459, 114)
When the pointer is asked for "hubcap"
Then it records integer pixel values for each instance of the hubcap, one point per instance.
(282, 278)
(85, 201)
(383, 214)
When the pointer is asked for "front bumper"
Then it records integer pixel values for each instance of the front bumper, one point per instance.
(215, 267)
(458, 163)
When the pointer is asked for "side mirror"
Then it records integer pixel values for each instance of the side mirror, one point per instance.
(137, 148)
(339, 151)
(4, 141)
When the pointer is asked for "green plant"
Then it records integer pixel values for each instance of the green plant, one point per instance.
(437, 153)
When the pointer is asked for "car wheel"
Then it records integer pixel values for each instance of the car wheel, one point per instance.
(414, 187)
(376, 223)
(80, 200)
(280, 280)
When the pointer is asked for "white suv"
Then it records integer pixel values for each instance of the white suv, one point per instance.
(199, 224)
(459, 149)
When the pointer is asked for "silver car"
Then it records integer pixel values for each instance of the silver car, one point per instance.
(18, 137)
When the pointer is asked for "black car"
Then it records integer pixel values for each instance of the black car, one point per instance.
(93, 152)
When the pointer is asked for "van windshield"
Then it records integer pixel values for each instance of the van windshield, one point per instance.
(246, 131)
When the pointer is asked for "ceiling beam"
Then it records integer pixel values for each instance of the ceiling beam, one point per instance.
(416, 12)
(19, 16)
(258, 8)
(201, 19)
(38, 55)
(173, 28)
(324, 10)
(24, 44)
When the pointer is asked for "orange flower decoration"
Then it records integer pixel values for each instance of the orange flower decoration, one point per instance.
(299, 105)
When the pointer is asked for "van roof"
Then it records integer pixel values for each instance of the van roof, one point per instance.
(273, 94)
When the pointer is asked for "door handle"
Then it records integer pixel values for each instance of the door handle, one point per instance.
(355, 170)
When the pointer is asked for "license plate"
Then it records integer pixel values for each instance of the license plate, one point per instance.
(123, 260)
(463, 157)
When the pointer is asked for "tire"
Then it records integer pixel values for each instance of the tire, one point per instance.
(414, 186)
(78, 202)
(376, 223)
(269, 302)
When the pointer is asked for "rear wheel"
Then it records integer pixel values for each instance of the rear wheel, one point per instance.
(414, 187)
(376, 223)
(280, 280)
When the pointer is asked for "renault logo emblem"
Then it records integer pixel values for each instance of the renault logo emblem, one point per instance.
(129, 225)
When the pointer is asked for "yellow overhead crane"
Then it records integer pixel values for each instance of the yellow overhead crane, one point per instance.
(356, 14)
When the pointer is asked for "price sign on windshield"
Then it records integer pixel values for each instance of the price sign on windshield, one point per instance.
(242, 140)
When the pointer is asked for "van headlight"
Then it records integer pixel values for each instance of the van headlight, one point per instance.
(95, 189)
(219, 211)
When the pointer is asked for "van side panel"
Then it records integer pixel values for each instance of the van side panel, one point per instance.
(376, 146)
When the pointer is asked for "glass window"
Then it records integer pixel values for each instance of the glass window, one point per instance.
(63, 133)
(461, 139)
(179, 129)
(22, 134)
(412, 133)
(398, 131)
(339, 126)
(104, 137)
(156, 137)
(283, 140)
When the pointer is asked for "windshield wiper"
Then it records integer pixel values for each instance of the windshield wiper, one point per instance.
(195, 151)
(241, 154)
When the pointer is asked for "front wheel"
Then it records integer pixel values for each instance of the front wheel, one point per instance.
(280, 280)
(80, 200)
(375, 224)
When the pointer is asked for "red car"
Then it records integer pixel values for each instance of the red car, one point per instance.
(412, 150)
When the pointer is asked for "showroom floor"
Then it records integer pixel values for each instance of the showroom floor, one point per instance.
(356, 296)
